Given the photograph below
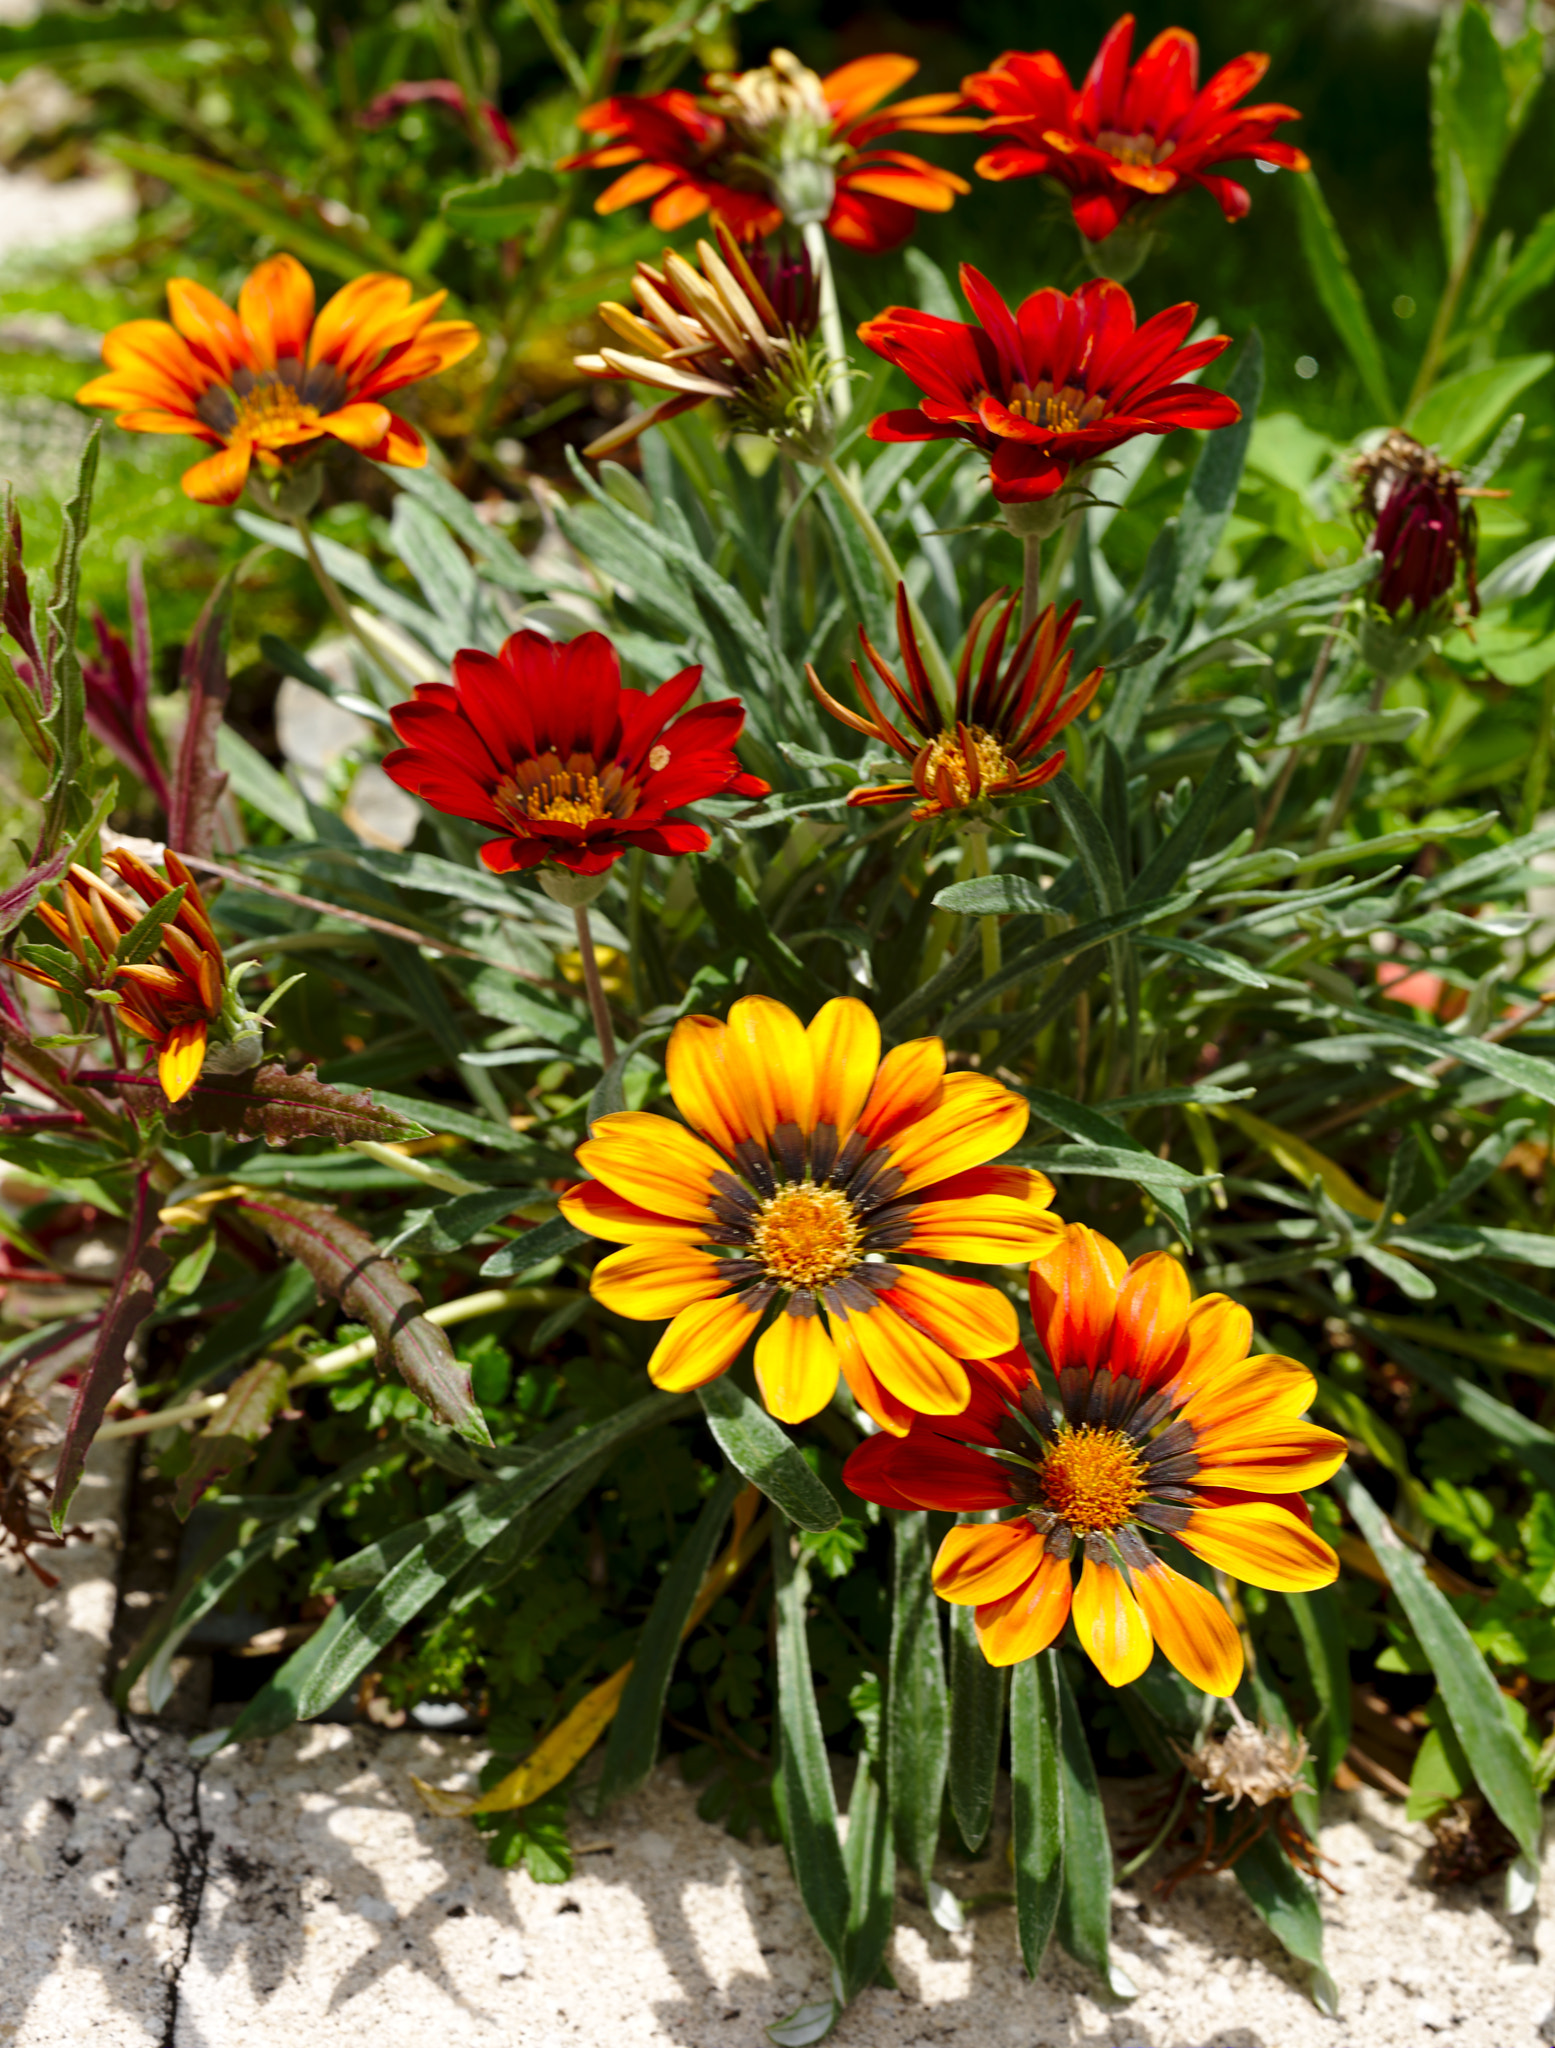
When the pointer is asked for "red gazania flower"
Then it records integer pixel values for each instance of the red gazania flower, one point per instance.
(544, 742)
(1165, 1426)
(1003, 720)
(271, 381)
(1131, 133)
(1045, 389)
(813, 1179)
(172, 997)
(753, 143)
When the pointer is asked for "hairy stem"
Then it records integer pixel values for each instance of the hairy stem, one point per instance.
(1031, 579)
(1351, 776)
(596, 988)
(831, 318)
(977, 849)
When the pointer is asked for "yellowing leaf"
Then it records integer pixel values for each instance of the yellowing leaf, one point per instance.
(1304, 1163)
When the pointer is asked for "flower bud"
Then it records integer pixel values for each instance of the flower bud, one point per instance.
(1412, 505)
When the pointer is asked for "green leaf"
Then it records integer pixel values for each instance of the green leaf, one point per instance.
(532, 1248)
(806, 1806)
(1471, 104)
(1329, 262)
(1529, 271)
(1469, 1692)
(633, 1743)
(1345, 724)
(265, 788)
(1065, 947)
(1037, 1806)
(1213, 960)
(448, 1226)
(741, 923)
(1284, 1901)
(871, 1866)
(1319, 1622)
(504, 205)
(1530, 1442)
(66, 717)
(978, 1691)
(1461, 411)
(1084, 1922)
(1441, 1774)
(917, 1741)
(754, 1445)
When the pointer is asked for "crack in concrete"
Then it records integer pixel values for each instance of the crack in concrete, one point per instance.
(190, 1861)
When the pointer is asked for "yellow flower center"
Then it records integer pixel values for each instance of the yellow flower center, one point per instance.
(574, 792)
(807, 1236)
(1061, 412)
(944, 756)
(273, 406)
(1133, 149)
(1093, 1478)
(574, 799)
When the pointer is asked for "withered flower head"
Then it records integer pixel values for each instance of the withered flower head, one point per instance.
(25, 1434)
(1248, 1762)
(1414, 510)
(1004, 716)
(728, 327)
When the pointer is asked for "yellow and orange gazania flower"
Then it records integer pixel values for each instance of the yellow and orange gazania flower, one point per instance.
(812, 1171)
(172, 997)
(1164, 1426)
(271, 381)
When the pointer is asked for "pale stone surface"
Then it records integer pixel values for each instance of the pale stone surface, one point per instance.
(296, 1892)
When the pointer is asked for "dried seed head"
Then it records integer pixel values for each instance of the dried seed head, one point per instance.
(1247, 1762)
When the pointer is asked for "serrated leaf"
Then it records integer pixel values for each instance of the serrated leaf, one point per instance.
(280, 1107)
(227, 1442)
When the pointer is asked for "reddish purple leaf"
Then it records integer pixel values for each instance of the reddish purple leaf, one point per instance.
(117, 687)
(267, 1102)
(200, 783)
(227, 1442)
(16, 610)
(17, 901)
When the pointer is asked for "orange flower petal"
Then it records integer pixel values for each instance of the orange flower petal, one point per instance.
(1150, 1317)
(1111, 1624)
(920, 1373)
(1285, 1459)
(906, 1088)
(359, 426)
(769, 1063)
(877, 1401)
(703, 1341)
(1263, 1545)
(854, 88)
(968, 1317)
(1193, 1629)
(994, 1230)
(642, 181)
(276, 307)
(653, 1281)
(603, 1213)
(974, 1121)
(402, 447)
(796, 1367)
(208, 324)
(982, 1561)
(844, 1053)
(1074, 1290)
(220, 478)
(657, 1164)
(353, 327)
(1214, 1343)
(1022, 1623)
(1269, 1387)
(701, 1084)
(180, 1058)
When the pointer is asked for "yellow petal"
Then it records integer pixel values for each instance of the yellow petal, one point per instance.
(974, 1121)
(844, 1052)
(920, 1373)
(703, 1341)
(769, 1059)
(968, 1317)
(1263, 1545)
(1214, 1343)
(1193, 1629)
(877, 1401)
(653, 1162)
(1284, 1458)
(180, 1058)
(1269, 1388)
(982, 1561)
(796, 1367)
(993, 1231)
(1111, 1624)
(906, 1088)
(603, 1213)
(1022, 1623)
(704, 1090)
(653, 1281)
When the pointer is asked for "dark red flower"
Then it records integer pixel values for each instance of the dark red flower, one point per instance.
(1004, 719)
(1063, 379)
(1132, 132)
(442, 92)
(117, 685)
(543, 742)
(1420, 523)
(778, 143)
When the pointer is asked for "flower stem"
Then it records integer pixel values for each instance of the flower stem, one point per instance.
(1446, 310)
(831, 317)
(1351, 776)
(977, 849)
(1031, 579)
(596, 988)
(1308, 705)
(933, 660)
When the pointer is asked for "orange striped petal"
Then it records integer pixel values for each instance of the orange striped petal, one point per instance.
(968, 1317)
(877, 1401)
(208, 324)
(796, 1367)
(359, 426)
(906, 1088)
(974, 1121)
(703, 1341)
(1074, 1290)
(657, 1164)
(923, 189)
(220, 478)
(642, 181)
(1275, 1460)
(854, 88)
(982, 1561)
(1193, 1629)
(920, 1373)
(701, 1084)
(180, 1058)
(276, 307)
(141, 422)
(1214, 1343)
(1022, 1623)
(1150, 1317)
(1111, 1624)
(1263, 1545)
(844, 1054)
(651, 1282)
(401, 447)
(351, 327)
(770, 1065)
(1264, 1389)
(603, 1213)
(993, 1231)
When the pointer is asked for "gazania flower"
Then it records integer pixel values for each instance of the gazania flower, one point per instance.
(1042, 391)
(779, 143)
(1003, 720)
(544, 743)
(1131, 134)
(1164, 1427)
(1420, 521)
(270, 382)
(177, 994)
(734, 329)
(811, 1175)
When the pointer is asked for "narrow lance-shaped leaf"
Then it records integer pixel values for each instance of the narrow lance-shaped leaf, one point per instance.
(67, 719)
(1085, 1911)
(199, 782)
(227, 1442)
(1329, 262)
(349, 1268)
(1320, 1625)
(756, 1446)
(1037, 1803)
(917, 1747)
(808, 1807)
(1469, 1691)
(977, 1696)
(871, 1869)
(1284, 1901)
